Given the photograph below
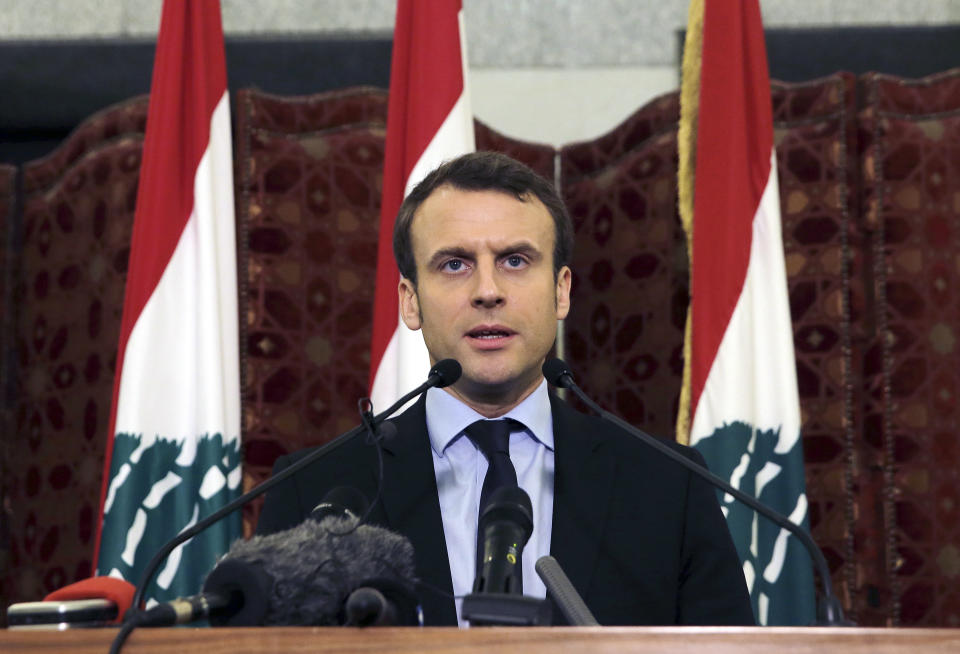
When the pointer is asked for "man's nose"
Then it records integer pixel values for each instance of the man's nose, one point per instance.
(487, 291)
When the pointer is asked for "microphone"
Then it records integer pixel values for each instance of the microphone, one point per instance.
(382, 603)
(444, 373)
(234, 592)
(830, 610)
(564, 594)
(505, 525)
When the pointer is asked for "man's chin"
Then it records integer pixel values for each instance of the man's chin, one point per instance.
(493, 383)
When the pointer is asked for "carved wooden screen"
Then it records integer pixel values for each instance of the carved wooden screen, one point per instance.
(77, 216)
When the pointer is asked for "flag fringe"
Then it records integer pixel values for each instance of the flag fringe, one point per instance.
(687, 152)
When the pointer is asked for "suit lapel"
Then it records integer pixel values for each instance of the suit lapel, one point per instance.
(412, 507)
(582, 487)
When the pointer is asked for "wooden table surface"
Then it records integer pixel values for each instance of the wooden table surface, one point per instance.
(595, 640)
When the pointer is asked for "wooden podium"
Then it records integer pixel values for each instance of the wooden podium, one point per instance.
(595, 640)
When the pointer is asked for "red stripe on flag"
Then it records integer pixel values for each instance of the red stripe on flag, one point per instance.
(426, 79)
(189, 79)
(734, 142)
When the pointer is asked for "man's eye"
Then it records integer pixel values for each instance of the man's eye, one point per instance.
(453, 265)
(515, 261)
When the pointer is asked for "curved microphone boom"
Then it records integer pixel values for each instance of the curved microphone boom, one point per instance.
(444, 373)
(831, 611)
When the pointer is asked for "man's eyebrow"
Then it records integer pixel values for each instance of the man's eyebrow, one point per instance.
(451, 252)
(521, 247)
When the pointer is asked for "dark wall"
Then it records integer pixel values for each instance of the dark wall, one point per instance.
(48, 88)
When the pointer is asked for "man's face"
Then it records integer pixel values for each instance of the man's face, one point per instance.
(486, 294)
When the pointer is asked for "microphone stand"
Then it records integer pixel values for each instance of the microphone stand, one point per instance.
(830, 611)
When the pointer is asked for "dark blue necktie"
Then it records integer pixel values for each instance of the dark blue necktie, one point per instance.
(492, 437)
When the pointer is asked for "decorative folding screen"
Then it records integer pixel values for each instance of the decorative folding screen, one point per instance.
(77, 216)
(625, 330)
(8, 177)
(910, 133)
(309, 171)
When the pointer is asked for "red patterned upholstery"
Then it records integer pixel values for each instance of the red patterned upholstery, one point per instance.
(814, 137)
(77, 215)
(308, 192)
(629, 298)
(911, 186)
(8, 175)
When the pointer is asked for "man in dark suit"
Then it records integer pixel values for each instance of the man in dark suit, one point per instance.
(483, 244)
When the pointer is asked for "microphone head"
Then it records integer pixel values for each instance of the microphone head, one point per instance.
(388, 432)
(557, 373)
(510, 504)
(341, 502)
(248, 586)
(446, 372)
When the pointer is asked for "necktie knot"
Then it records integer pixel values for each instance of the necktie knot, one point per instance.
(490, 436)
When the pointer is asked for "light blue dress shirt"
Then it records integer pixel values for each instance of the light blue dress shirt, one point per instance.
(460, 468)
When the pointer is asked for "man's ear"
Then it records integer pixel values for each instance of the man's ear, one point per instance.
(563, 292)
(409, 304)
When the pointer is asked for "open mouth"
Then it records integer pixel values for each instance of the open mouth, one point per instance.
(489, 333)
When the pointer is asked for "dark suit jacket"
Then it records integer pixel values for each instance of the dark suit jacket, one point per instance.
(642, 540)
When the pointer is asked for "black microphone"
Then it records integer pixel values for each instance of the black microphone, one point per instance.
(382, 603)
(443, 373)
(572, 606)
(234, 591)
(830, 611)
(505, 526)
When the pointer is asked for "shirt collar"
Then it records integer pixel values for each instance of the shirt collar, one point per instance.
(448, 417)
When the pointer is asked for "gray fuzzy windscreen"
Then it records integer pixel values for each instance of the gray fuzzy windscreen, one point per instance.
(315, 566)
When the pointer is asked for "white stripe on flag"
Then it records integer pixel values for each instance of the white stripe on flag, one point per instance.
(760, 324)
(193, 370)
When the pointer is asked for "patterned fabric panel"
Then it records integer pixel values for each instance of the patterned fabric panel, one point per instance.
(588, 157)
(930, 95)
(309, 210)
(624, 334)
(77, 219)
(311, 113)
(7, 212)
(813, 134)
(128, 117)
(539, 157)
(911, 173)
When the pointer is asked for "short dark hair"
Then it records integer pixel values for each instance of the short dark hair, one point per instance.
(483, 171)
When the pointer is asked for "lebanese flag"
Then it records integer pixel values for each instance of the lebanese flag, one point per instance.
(172, 453)
(428, 122)
(742, 380)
